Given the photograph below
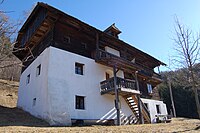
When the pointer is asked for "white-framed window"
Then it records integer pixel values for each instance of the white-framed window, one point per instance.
(38, 70)
(80, 102)
(149, 88)
(28, 78)
(79, 68)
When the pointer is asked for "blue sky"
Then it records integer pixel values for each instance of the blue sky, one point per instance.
(146, 24)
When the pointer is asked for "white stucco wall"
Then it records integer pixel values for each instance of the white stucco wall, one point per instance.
(152, 108)
(64, 85)
(57, 85)
(37, 88)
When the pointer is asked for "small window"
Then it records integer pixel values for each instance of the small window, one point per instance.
(80, 103)
(28, 79)
(79, 68)
(84, 45)
(158, 109)
(34, 101)
(149, 88)
(38, 70)
(107, 75)
(66, 39)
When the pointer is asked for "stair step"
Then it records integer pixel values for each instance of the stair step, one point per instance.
(134, 107)
(130, 101)
(129, 98)
(133, 103)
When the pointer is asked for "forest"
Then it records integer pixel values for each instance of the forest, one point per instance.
(183, 95)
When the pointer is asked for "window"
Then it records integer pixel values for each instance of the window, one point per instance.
(34, 101)
(38, 70)
(79, 68)
(28, 79)
(84, 45)
(66, 39)
(149, 88)
(80, 102)
(107, 75)
(158, 109)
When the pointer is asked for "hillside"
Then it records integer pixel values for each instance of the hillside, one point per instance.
(9, 114)
(15, 120)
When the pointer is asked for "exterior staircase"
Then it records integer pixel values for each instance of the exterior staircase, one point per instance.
(132, 102)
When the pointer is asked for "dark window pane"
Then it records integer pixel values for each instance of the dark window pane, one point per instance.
(28, 79)
(158, 109)
(107, 75)
(38, 71)
(79, 68)
(80, 102)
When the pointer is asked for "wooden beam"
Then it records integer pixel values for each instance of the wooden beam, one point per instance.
(138, 98)
(117, 102)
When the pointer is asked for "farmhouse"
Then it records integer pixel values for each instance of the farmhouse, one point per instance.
(74, 73)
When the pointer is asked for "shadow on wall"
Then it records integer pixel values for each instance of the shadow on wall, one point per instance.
(17, 117)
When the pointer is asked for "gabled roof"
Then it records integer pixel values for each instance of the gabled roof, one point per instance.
(41, 5)
(113, 28)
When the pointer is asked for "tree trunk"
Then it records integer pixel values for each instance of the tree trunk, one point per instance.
(197, 100)
(194, 88)
(171, 97)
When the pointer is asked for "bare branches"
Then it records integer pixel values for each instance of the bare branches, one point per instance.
(188, 49)
(1, 2)
(10, 65)
(187, 45)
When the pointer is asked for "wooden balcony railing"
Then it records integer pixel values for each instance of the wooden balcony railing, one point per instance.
(107, 86)
(109, 59)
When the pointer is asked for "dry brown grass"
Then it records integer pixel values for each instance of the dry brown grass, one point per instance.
(15, 120)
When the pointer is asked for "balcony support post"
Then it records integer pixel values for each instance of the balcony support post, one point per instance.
(139, 101)
(117, 102)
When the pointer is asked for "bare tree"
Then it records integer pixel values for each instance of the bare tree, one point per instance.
(187, 48)
(10, 66)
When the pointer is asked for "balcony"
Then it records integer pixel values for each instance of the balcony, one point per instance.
(108, 59)
(125, 86)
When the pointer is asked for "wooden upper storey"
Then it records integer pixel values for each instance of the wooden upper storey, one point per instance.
(47, 26)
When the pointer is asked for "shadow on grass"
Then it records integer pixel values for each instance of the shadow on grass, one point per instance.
(17, 117)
